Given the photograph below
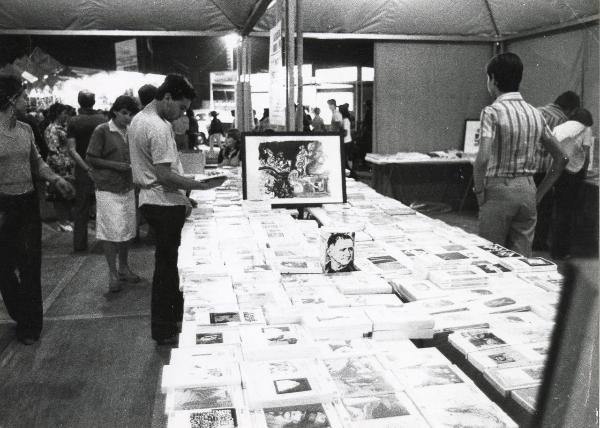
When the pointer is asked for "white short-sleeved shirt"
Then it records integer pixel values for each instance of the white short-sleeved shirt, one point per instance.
(573, 137)
(151, 142)
(347, 130)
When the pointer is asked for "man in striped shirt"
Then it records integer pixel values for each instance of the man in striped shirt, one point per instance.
(512, 134)
(555, 114)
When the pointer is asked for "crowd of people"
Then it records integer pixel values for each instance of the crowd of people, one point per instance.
(529, 167)
(123, 160)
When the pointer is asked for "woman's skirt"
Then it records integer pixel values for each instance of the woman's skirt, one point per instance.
(115, 216)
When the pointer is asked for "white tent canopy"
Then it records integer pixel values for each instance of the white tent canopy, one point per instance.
(485, 19)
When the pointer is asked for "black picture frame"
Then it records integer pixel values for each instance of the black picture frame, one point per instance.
(469, 145)
(250, 162)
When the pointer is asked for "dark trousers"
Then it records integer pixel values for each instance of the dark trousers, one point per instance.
(84, 198)
(167, 300)
(544, 215)
(21, 262)
(566, 199)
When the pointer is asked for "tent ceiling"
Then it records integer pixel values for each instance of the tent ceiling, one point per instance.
(470, 18)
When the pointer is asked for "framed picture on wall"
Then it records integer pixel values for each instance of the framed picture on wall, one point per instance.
(471, 140)
(293, 169)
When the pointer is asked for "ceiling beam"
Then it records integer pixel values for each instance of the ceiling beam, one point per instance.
(552, 28)
(391, 37)
(114, 33)
(257, 12)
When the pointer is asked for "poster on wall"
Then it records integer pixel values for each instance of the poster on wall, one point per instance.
(277, 78)
(126, 55)
(293, 169)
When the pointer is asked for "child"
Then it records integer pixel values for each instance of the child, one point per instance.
(575, 138)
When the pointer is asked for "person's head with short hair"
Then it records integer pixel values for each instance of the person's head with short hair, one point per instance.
(332, 104)
(317, 111)
(146, 94)
(58, 113)
(340, 250)
(12, 94)
(233, 140)
(568, 102)
(504, 72)
(174, 97)
(214, 114)
(123, 110)
(86, 99)
(344, 111)
(232, 113)
(582, 116)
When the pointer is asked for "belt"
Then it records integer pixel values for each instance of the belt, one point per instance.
(508, 180)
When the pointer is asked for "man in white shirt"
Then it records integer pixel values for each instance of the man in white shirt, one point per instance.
(158, 172)
(575, 139)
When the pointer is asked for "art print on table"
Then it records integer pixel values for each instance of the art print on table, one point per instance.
(209, 338)
(484, 339)
(293, 169)
(214, 418)
(357, 376)
(290, 386)
(337, 251)
(374, 407)
(471, 138)
(305, 416)
(201, 398)
(224, 317)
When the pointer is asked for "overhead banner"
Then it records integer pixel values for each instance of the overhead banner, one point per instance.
(277, 93)
(126, 55)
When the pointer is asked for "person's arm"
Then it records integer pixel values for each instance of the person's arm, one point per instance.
(480, 167)
(75, 156)
(486, 136)
(99, 163)
(45, 173)
(559, 161)
(586, 163)
(169, 178)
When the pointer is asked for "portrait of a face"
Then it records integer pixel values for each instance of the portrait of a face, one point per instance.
(339, 254)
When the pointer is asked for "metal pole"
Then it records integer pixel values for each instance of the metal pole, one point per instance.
(300, 63)
(289, 59)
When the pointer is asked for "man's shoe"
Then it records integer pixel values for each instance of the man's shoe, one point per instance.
(129, 277)
(27, 340)
(114, 285)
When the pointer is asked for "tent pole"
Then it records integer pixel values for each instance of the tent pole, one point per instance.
(300, 63)
(289, 59)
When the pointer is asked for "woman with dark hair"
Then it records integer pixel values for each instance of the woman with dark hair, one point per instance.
(20, 225)
(60, 161)
(231, 149)
(108, 154)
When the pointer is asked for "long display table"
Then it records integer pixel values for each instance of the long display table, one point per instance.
(268, 340)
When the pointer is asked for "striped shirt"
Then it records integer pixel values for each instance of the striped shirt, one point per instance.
(516, 130)
(554, 116)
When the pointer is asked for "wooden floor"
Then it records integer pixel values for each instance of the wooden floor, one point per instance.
(95, 365)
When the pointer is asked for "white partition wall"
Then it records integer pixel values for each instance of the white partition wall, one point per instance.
(424, 91)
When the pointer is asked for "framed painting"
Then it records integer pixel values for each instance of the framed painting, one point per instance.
(293, 169)
(471, 140)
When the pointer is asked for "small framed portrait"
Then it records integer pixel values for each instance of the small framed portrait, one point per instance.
(472, 134)
(337, 251)
(293, 169)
